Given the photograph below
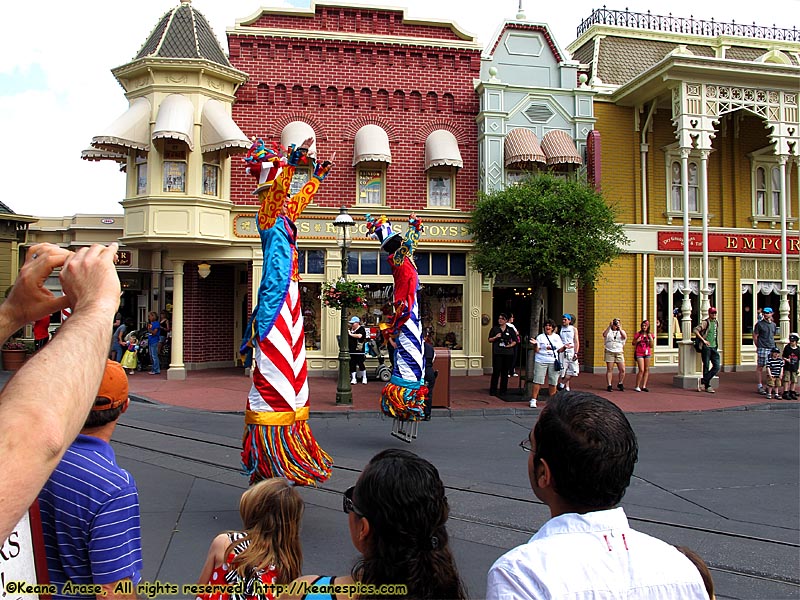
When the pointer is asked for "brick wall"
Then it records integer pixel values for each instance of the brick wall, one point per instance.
(208, 314)
(337, 87)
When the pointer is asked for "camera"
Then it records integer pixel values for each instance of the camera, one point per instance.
(615, 322)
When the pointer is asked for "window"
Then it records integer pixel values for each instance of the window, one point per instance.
(210, 179)
(299, 179)
(312, 309)
(370, 185)
(311, 262)
(174, 176)
(766, 186)
(141, 176)
(676, 204)
(669, 296)
(440, 188)
(757, 295)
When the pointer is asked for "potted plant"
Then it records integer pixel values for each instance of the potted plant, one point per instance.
(15, 353)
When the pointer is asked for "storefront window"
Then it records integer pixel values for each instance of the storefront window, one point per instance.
(174, 176)
(370, 186)
(311, 262)
(440, 188)
(312, 309)
(758, 295)
(141, 178)
(669, 296)
(210, 178)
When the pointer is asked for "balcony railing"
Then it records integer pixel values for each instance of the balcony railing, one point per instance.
(712, 28)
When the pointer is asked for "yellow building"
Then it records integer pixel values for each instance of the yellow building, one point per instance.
(700, 136)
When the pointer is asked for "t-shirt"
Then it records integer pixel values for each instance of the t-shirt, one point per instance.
(567, 335)
(90, 518)
(153, 332)
(502, 345)
(40, 328)
(546, 348)
(356, 345)
(765, 332)
(793, 354)
(644, 343)
(774, 365)
(614, 341)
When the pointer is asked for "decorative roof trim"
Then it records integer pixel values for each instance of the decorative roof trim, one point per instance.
(175, 120)
(559, 148)
(219, 131)
(129, 130)
(441, 149)
(371, 144)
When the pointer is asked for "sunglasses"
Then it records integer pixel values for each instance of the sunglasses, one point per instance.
(526, 445)
(347, 502)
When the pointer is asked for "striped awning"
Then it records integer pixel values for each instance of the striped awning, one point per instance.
(175, 120)
(298, 132)
(130, 130)
(522, 146)
(441, 149)
(560, 149)
(98, 154)
(371, 144)
(219, 131)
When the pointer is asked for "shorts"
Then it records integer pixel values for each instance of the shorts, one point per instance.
(614, 357)
(773, 381)
(569, 367)
(542, 370)
(763, 356)
(641, 356)
(790, 377)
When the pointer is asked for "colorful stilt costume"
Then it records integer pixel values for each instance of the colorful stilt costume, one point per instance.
(404, 396)
(278, 441)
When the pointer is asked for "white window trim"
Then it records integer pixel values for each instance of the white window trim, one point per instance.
(766, 159)
(437, 172)
(371, 166)
(672, 154)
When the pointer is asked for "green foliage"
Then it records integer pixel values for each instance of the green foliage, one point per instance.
(341, 294)
(543, 229)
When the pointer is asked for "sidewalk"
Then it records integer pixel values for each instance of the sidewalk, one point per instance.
(225, 390)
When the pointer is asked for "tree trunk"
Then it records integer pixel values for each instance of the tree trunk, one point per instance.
(536, 309)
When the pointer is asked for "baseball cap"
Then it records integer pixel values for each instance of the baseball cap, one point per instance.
(767, 310)
(793, 337)
(676, 311)
(774, 350)
(113, 390)
(712, 311)
(355, 320)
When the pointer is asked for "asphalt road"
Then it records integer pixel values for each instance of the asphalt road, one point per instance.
(723, 483)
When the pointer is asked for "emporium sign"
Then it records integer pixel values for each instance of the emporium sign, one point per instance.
(728, 243)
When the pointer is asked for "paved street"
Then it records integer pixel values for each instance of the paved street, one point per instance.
(722, 482)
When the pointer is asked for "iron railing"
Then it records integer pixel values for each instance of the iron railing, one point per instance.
(712, 28)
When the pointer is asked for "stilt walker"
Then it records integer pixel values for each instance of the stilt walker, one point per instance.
(277, 440)
(403, 397)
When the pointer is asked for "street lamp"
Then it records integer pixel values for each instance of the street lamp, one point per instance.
(344, 393)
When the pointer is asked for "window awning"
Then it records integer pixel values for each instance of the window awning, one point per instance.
(522, 146)
(219, 131)
(175, 120)
(441, 148)
(130, 130)
(559, 148)
(371, 143)
(100, 154)
(298, 132)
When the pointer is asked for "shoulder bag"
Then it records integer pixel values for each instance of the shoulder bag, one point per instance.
(556, 362)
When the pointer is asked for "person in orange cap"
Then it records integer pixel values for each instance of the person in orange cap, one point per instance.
(90, 505)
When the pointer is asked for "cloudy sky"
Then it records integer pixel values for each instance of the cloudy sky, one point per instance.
(56, 89)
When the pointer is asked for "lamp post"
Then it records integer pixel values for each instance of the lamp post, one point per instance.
(344, 393)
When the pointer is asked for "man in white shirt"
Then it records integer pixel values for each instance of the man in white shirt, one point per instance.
(581, 456)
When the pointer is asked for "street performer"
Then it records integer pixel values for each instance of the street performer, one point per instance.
(403, 397)
(278, 441)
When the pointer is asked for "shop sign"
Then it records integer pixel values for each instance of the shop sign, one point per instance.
(123, 258)
(728, 243)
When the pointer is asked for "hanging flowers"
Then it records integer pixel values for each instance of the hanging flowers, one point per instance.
(339, 294)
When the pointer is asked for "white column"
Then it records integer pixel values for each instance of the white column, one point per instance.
(703, 188)
(784, 305)
(177, 370)
(686, 377)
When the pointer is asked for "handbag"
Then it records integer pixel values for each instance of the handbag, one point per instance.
(556, 362)
(698, 344)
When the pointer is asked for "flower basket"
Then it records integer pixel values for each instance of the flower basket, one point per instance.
(340, 294)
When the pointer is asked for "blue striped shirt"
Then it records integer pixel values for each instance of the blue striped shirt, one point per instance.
(90, 518)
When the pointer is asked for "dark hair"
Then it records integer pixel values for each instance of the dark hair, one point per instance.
(590, 447)
(402, 497)
(502, 316)
(98, 418)
(549, 322)
(701, 566)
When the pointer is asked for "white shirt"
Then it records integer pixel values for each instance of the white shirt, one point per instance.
(567, 335)
(546, 348)
(614, 340)
(594, 556)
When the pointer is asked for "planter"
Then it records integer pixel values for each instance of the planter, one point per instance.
(14, 359)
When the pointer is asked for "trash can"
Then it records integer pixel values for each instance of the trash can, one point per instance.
(441, 391)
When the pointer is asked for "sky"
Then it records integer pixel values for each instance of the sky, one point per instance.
(57, 90)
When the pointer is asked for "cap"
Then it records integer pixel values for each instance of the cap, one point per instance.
(355, 320)
(676, 311)
(793, 337)
(113, 390)
(712, 311)
(767, 311)
(775, 350)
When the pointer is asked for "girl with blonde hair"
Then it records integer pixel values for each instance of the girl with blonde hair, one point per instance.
(267, 551)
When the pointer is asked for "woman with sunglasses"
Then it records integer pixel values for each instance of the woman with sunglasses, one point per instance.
(397, 512)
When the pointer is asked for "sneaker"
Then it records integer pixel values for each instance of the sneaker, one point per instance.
(532, 403)
(699, 385)
(514, 375)
(560, 386)
(567, 389)
(620, 387)
(637, 388)
(710, 390)
(645, 390)
(610, 389)
(762, 390)
(769, 396)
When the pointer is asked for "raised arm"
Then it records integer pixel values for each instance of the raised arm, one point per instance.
(44, 405)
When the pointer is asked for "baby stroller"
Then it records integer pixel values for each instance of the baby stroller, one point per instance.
(143, 354)
(383, 372)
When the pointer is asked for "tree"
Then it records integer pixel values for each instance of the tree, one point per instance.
(541, 230)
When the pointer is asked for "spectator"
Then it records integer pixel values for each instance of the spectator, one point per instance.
(90, 506)
(163, 331)
(503, 339)
(153, 337)
(118, 340)
(41, 332)
(764, 341)
(267, 551)
(397, 512)
(708, 332)
(357, 335)
(701, 566)
(514, 358)
(91, 288)
(791, 359)
(774, 373)
(429, 354)
(677, 333)
(582, 453)
(614, 338)
(642, 351)
(569, 350)
(544, 368)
